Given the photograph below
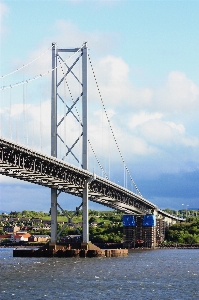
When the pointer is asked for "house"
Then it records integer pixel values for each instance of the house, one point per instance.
(47, 227)
(25, 220)
(38, 238)
(47, 222)
(35, 228)
(94, 224)
(70, 239)
(79, 224)
(11, 228)
(4, 219)
(61, 223)
(21, 232)
(15, 220)
(36, 221)
(25, 228)
(17, 238)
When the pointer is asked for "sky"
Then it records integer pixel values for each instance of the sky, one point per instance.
(145, 58)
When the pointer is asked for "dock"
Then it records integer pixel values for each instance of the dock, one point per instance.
(72, 250)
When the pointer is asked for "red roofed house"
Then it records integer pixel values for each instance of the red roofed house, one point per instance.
(20, 237)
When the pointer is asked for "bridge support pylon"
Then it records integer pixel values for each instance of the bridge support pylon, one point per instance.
(54, 141)
(53, 216)
(85, 143)
(82, 51)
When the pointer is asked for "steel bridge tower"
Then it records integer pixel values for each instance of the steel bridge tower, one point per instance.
(54, 135)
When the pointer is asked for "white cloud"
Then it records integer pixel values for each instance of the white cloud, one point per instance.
(190, 142)
(142, 117)
(114, 69)
(180, 94)
(178, 127)
(169, 137)
(158, 132)
(115, 85)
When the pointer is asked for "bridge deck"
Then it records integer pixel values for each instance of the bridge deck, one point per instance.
(28, 165)
(25, 164)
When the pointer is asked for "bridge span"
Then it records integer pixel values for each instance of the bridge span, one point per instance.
(25, 164)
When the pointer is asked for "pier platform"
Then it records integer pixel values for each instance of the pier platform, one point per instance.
(73, 250)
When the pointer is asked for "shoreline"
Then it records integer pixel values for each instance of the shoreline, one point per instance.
(161, 247)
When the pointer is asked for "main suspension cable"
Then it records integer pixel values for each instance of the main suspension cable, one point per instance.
(98, 160)
(3, 76)
(38, 76)
(110, 126)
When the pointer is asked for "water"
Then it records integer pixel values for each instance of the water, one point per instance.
(156, 274)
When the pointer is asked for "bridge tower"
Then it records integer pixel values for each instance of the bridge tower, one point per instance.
(54, 134)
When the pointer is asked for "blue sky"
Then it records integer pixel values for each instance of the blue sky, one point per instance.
(145, 55)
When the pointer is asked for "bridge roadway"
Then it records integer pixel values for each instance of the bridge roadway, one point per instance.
(28, 165)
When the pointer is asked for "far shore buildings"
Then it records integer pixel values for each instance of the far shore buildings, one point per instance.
(23, 236)
(11, 228)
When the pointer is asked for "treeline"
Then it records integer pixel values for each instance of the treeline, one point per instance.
(106, 226)
(184, 232)
(182, 213)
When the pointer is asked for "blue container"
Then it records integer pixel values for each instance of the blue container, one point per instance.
(149, 220)
(128, 220)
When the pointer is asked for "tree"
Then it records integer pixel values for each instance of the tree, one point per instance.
(24, 213)
(1, 231)
(92, 220)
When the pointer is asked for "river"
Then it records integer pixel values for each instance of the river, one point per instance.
(153, 274)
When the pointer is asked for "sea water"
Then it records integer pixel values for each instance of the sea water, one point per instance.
(153, 274)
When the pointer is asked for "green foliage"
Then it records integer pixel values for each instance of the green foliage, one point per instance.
(1, 231)
(109, 227)
(185, 232)
(111, 232)
(92, 219)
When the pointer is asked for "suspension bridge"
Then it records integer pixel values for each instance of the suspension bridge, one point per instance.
(69, 131)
